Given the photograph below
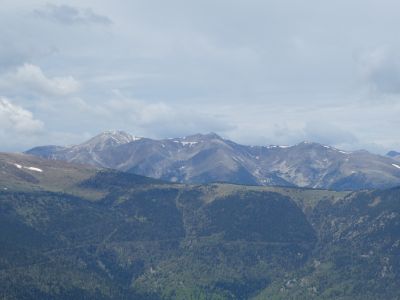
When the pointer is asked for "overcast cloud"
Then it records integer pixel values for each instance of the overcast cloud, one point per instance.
(257, 72)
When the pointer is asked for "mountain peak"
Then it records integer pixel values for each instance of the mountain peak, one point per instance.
(210, 135)
(308, 143)
(115, 133)
(314, 145)
(121, 136)
(109, 138)
(213, 135)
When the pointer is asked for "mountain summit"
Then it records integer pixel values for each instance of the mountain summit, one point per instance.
(204, 158)
(108, 139)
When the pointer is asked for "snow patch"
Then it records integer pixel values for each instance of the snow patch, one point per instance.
(343, 152)
(277, 146)
(28, 168)
(34, 169)
(396, 166)
(257, 172)
(190, 144)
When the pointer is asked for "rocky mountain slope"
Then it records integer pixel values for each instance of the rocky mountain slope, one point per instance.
(210, 158)
(102, 234)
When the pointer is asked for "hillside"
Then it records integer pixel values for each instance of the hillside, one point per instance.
(139, 238)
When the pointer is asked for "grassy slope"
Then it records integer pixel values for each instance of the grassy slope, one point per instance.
(56, 176)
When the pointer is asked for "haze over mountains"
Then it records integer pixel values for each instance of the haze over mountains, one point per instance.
(204, 158)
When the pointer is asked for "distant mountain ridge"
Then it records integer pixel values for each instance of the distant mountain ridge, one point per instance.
(204, 158)
(394, 154)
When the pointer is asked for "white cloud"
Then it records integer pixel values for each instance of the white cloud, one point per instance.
(31, 78)
(15, 119)
(155, 119)
(276, 71)
(70, 15)
(159, 119)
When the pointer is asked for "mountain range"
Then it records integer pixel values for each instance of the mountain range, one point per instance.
(205, 158)
(70, 231)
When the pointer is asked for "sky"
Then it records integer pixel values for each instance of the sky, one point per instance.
(257, 72)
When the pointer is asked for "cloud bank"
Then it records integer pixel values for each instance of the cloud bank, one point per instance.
(30, 77)
(258, 72)
(16, 119)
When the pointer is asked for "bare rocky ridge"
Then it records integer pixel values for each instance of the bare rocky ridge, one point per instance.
(204, 158)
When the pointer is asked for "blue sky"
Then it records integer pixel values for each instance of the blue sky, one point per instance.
(257, 72)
